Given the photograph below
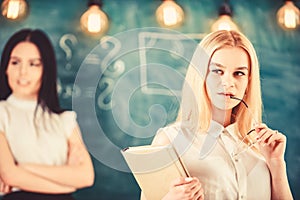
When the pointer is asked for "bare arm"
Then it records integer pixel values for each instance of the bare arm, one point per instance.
(160, 139)
(280, 185)
(272, 145)
(13, 175)
(78, 172)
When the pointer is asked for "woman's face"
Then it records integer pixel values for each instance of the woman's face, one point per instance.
(228, 75)
(24, 71)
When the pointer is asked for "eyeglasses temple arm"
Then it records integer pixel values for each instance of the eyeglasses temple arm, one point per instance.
(241, 100)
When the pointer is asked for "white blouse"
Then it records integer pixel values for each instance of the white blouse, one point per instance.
(209, 158)
(40, 138)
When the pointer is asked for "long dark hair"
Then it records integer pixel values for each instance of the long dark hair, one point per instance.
(47, 96)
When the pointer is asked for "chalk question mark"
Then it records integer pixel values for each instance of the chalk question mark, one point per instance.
(66, 48)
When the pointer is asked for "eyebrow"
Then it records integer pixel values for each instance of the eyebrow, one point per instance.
(222, 66)
(14, 57)
(31, 59)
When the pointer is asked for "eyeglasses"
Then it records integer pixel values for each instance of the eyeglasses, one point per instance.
(242, 146)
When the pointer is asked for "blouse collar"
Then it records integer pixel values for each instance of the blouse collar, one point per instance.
(22, 103)
(214, 131)
(231, 131)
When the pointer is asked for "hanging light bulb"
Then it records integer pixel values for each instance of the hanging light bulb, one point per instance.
(94, 21)
(169, 14)
(14, 9)
(224, 22)
(288, 15)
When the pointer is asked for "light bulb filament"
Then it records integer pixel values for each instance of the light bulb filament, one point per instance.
(94, 23)
(290, 19)
(13, 9)
(288, 16)
(169, 14)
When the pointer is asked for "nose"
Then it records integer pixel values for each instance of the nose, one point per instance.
(227, 80)
(23, 69)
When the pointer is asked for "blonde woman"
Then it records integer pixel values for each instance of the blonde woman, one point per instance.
(228, 151)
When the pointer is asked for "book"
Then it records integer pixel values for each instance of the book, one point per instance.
(154, 167)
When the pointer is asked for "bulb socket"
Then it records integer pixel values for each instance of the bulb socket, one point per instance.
(95, 2)
(225, 9)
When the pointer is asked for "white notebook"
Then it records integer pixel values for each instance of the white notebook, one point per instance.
(154, 167)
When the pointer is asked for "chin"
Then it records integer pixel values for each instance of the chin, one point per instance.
(225, 106)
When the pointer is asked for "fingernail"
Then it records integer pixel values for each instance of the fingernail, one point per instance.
(258, 139)
(188, 179)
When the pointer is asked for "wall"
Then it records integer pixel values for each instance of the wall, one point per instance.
(119, 111)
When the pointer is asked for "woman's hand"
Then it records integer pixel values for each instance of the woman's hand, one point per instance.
(4, 188)
(185, 189)
(272, 144)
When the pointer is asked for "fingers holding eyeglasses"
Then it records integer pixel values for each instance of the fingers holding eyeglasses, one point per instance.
(266, 136)
(271, 142)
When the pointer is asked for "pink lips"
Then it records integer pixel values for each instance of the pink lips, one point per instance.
(23, 82)
(226, 94)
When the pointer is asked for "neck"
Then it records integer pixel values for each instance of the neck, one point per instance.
(222, 116)
(26, 97)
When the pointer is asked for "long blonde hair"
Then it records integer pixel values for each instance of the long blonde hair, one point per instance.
(195, 108)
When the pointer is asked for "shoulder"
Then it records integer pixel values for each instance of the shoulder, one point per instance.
(3, 108)
(3, 104)
(64, 117)
(3, 114)
(68, 115)
(68, 120)
(165, 135)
